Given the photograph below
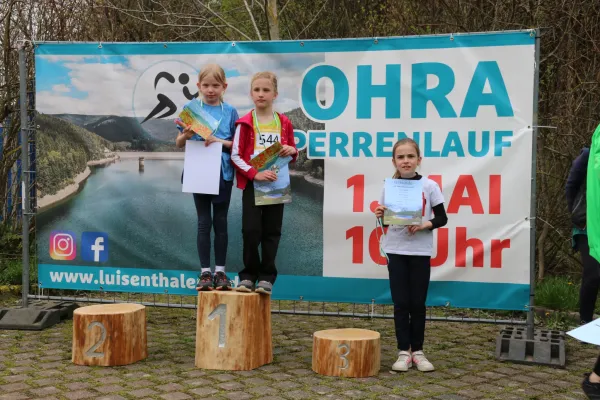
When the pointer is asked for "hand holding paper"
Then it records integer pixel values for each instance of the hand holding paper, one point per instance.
(187, 129)
(200, 121)
(264, 176)
(287, 151)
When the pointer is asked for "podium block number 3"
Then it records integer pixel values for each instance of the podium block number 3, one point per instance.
(344, 352)
(220, 311)
(92, 350)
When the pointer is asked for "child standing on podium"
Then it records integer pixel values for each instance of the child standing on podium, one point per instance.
(212, 209)
(409, 252)
(261, 225)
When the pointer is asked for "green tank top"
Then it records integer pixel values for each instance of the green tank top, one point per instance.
(593, 196)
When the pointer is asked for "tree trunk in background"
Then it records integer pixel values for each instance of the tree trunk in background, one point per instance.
(272, 19)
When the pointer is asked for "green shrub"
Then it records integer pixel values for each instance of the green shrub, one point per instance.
(558, 293)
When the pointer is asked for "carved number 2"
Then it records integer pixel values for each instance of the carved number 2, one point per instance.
(220, 311)
(92, 351)
(345, 351)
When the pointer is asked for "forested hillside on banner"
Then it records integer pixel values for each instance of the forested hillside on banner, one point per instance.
(569, 96)
(75, 145)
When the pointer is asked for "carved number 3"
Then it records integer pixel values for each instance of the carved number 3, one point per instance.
(220, 311)
(345, 350)
(92, 351)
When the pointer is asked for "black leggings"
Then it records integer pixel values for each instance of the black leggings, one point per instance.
(409, 282)
(590, 280)
(597, 367)
(211, 215)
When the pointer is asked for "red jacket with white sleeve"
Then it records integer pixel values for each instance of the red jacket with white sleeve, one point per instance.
(243, 146)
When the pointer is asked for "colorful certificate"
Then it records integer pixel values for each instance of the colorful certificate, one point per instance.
(201, 121)
(279, 191)
(404, 201)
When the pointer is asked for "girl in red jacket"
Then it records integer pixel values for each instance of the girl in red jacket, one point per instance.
(261, 225)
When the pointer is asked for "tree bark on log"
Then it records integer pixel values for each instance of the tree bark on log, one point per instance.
(109, 334)
(233, 331)
(346, 352)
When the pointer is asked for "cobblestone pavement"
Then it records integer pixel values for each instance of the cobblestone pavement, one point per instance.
(37, 365)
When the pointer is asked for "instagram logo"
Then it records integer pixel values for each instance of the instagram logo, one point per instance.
(62, 245)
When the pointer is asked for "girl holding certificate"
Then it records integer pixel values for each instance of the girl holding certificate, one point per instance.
(212, 209)
(261, 225)
(408, 249)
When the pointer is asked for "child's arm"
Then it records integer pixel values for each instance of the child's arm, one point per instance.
(439, 217)
(238, 161)
(184, 135)
(242, 166)
(213, 139)
(437, 206)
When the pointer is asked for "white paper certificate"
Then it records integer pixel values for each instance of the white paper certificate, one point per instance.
(202, 167)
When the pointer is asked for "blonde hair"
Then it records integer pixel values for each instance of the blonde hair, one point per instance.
(400, 143)
(215, 71)
(265, 75)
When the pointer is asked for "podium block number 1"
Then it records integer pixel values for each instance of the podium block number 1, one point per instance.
(221, 312)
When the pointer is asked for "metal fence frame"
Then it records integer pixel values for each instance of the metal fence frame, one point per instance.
(28, 194)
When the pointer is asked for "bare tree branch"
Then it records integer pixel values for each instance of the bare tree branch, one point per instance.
(313, 20)
(252, 19)
(198, 2)
(283, 8)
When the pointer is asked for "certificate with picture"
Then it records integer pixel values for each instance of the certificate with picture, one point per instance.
(403, 199)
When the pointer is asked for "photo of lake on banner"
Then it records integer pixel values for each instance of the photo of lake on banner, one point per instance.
(151, 224)
(89, 183)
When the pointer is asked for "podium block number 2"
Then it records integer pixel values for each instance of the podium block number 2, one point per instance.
(221, 312)
(92, 350)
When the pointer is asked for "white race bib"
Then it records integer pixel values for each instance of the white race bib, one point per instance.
(266, 139)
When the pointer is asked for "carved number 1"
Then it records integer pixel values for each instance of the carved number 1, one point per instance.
(220, 311)
(92, 351)
(344, 353)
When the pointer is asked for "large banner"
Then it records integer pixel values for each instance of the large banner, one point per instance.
(112, 215)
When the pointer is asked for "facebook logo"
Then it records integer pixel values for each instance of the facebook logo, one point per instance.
(94, 246)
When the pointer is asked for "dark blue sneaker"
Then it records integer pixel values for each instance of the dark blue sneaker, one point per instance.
(221, 282)
(205, 282)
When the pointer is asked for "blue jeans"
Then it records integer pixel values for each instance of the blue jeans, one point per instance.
(211, 215)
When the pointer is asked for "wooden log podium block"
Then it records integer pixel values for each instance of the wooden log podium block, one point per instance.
(109, 334)
(347, 352)
(233, 331)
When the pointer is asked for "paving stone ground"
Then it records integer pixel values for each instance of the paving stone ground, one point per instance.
(37, 365)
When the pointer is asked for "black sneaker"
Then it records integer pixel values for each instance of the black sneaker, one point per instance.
(592, 390)
(205, 282)
(245, 286)
(221, 282)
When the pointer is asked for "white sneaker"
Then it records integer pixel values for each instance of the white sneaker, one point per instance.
(403, 363)
(421, 362)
